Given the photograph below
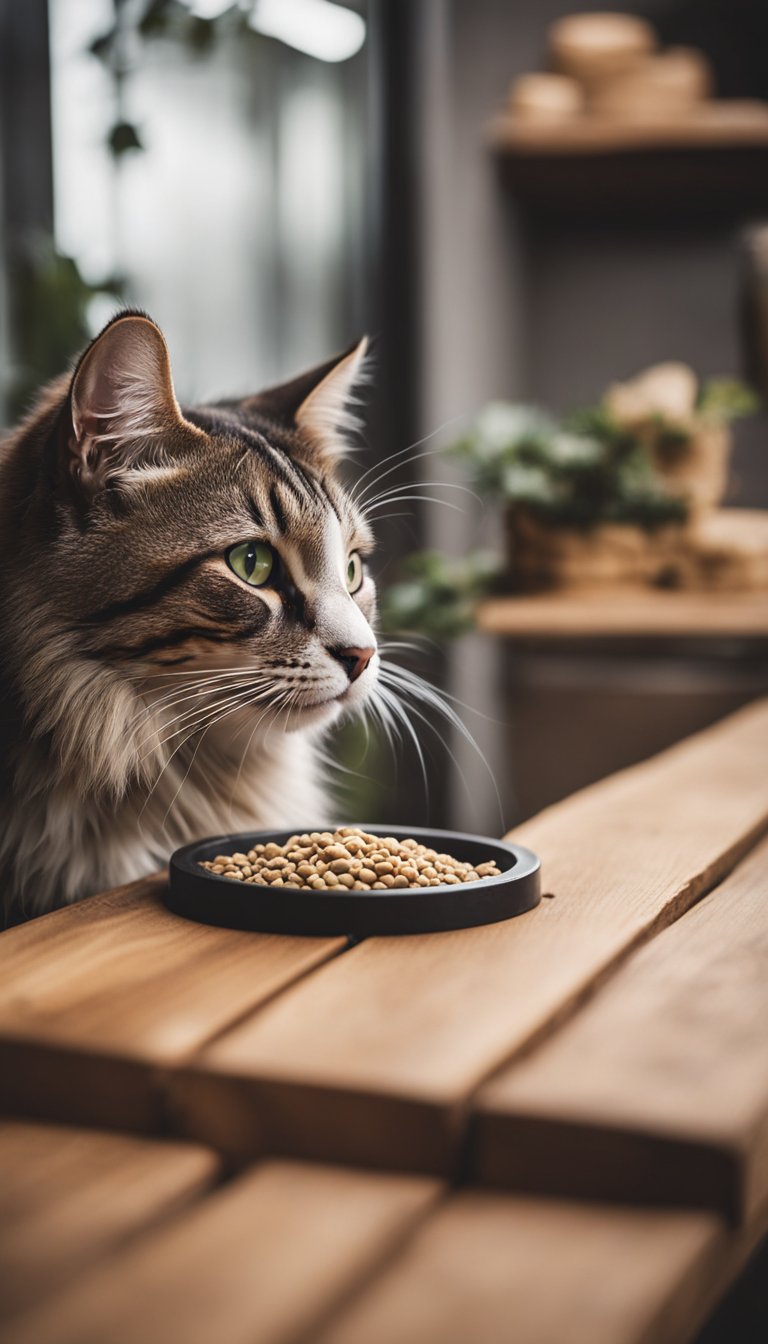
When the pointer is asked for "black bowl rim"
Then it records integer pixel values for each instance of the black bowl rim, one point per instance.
(523, 861)
(406, 910)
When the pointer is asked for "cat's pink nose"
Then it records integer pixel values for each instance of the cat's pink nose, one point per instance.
(354, 661)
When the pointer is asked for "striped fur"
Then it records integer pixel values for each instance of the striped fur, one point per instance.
(150, 696)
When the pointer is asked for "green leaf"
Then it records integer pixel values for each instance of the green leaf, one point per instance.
(201, 35)
(440, 595)
(123, 138)
(586, 471)
(156, 18)
(727, 399)
(102, 47)
(49, 301)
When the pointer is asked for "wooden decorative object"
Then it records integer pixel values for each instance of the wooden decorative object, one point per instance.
(697, 467)
(690, 452)
(591, 47)
(543, 97)
(667, 390)
(657, 88)
(726, 551)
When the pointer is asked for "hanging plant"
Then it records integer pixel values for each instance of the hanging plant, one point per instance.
(119, 48)
(49, 301)
(438, 596)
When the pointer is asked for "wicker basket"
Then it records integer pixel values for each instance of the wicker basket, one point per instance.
(608, 555)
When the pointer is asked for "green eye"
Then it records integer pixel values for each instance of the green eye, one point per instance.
(354, 572)
(251, 561)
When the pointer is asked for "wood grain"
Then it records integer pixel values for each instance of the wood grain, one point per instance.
(94, 997)
(492, 1268)
(374, 1057)
(658, 1089)
(69, 1197)
(256, 1263)
(630, 614)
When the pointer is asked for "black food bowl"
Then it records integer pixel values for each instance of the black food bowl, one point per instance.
(212, 898)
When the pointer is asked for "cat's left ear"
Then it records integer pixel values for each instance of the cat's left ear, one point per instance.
(320, 403)
(123, 409)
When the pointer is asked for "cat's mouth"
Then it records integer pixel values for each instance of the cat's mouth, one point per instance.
(327, 703)
(327, 707)
(329, 700)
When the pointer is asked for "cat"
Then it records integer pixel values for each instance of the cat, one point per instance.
(186, 606)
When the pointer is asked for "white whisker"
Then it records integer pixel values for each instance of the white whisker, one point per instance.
(407, 682)
(390, 700)
(171, 698)
(199, 715)
(392, 457)
(419, 485)
(418, 499)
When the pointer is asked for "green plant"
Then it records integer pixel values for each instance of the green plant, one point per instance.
(438, 596)
(583, 471)
(119, 48)
(726, 399)
(49, 301)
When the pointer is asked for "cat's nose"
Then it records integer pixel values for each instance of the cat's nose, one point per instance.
(354, 661)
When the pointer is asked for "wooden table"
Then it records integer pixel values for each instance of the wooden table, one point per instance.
(550, 1129)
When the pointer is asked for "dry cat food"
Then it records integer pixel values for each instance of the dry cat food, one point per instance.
(322, 860)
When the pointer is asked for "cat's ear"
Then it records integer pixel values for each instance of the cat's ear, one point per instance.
(122, 403)
(320, 403)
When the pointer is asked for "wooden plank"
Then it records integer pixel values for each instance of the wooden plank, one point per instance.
(731, 123)
(94, 997)
(631, 614)
(373, 1058)
(69, 1197)
(492, 1268)
(256, 1263)
(658, 1089)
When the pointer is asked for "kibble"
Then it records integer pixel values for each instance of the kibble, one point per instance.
(347, 860)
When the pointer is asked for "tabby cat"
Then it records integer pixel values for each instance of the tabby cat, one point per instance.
(186, 607)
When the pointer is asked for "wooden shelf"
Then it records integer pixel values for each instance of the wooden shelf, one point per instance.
(715, 160)
(631, 614)
(716, 125)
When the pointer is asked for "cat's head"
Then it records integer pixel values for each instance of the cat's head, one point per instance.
(215, 544)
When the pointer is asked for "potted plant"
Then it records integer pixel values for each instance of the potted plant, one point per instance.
(683, 427)
(606, 495)
(581, 496)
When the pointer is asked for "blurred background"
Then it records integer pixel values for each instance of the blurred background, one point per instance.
(527, 210)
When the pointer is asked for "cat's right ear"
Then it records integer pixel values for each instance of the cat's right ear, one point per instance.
(318, 404)
(122, 403)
